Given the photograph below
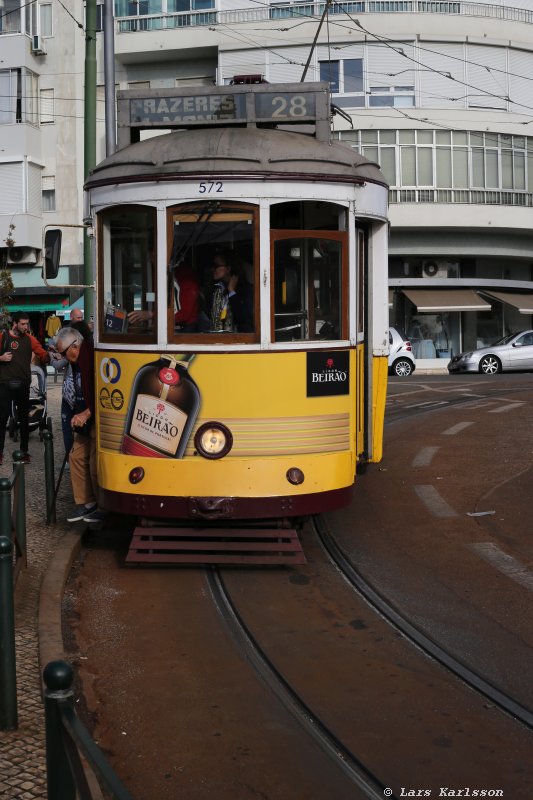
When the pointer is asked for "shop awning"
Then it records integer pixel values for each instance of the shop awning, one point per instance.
(31, 307)
(522, 302)
(437, 300)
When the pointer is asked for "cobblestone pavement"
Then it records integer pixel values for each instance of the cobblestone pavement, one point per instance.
(22, 752)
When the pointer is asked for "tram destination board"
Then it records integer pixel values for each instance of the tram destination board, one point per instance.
(221, 105)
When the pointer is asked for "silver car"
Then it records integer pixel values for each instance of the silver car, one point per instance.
(401, 358)
(513, 352)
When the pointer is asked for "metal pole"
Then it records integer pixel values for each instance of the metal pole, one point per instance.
(57, 676)
(89, 148)
(20, 506)
(109, 73)
(8, 663)
(49, 477)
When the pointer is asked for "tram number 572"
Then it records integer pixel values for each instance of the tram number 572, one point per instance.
(210, 187)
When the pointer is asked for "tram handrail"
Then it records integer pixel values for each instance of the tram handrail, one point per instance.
(66, 736)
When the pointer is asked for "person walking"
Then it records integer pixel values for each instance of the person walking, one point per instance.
(78, 411)
(17, 347)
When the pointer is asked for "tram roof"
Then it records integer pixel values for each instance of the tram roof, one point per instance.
(239, 153)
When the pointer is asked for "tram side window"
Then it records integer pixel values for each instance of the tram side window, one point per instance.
(127, 271)
(211, 273)
(309, 293)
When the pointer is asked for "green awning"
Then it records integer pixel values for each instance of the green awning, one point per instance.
(32, 307)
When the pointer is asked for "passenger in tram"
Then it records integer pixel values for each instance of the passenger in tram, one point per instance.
(186, 291)
(229, 304)
(186, 294)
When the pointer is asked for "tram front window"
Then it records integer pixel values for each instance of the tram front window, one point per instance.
(211, 273)
(309, 295)
(127, 258)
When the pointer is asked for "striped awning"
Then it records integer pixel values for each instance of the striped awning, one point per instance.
(437, 300)
(522, 302)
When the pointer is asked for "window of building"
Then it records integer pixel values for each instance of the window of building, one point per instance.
(45, 19)
(46, 97)
(48, 187)
(18, 88)
(11, 17)
(463, 166)
(345, 78)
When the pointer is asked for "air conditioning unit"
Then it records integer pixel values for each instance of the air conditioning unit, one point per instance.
(22, 255)
(439, 268)
(38, 46)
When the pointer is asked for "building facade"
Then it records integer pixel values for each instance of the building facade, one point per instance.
(438, 92)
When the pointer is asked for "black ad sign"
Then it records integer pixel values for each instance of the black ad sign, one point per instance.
(328, 373)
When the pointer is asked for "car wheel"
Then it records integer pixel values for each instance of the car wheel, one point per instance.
(490, 365)
(402, 367)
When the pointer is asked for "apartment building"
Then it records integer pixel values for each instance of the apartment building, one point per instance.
(438, 92)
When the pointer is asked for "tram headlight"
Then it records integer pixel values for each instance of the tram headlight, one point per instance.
(213, 440)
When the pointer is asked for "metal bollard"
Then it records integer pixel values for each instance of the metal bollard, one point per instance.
(8, 664)
(49, 477)
(20, 503)
(58, 676)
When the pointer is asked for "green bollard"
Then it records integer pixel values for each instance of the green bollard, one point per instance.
(49, 477)
(20, 503)
(5, 508)
(8, 664)
(58, 678)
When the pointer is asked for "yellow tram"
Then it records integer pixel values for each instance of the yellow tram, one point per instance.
(241, 306)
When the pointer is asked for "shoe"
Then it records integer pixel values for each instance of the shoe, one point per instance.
(26, 458)
(81, 511)
(96, 516)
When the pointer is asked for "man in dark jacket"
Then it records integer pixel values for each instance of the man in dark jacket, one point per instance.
(16, 349)
(78, 407)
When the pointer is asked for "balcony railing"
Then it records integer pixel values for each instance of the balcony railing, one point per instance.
(471, 196)
(157, 22)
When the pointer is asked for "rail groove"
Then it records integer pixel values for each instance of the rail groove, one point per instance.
(414, 634)
(344, 758)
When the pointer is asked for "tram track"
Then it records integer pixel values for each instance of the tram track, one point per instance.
(347, 761)
(411, 632)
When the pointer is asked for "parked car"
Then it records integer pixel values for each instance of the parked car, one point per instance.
(513, 352)
(401, 359)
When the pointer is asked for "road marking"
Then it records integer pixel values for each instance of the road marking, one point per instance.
(429, 403)
(457, 428)
(506, 564)
(436, 505)
(424, 457)
(508, 407)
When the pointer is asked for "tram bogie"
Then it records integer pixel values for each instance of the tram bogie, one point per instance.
(241, 304)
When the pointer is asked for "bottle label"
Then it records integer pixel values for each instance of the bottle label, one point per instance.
(157, 423)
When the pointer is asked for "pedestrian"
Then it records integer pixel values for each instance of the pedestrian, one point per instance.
(77, 322)
(17, 346)
(78, 411)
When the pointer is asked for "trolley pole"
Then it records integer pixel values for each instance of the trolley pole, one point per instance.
(8, 664)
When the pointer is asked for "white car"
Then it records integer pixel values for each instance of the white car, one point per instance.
(401, 359)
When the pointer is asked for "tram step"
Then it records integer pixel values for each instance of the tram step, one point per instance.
(215, 546)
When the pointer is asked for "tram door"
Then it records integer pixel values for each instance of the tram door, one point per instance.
(309, 287)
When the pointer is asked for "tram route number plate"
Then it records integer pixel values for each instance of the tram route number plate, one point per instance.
(205, 108)
(115, 319)
(285, 105)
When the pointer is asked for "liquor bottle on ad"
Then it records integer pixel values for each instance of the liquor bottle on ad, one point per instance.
(164, 404)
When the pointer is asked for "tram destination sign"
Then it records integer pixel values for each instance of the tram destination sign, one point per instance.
(221, 105)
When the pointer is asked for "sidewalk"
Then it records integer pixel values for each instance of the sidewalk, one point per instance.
(37, 612)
